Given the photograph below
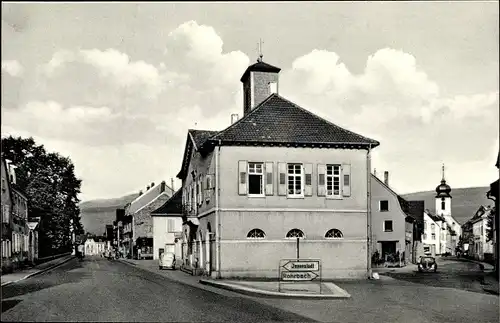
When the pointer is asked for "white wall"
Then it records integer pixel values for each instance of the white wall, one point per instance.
(161, 235)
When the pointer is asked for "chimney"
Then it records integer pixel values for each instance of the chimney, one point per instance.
(140, 193)
(375, 172)
(152, 184)
(260, 80)
(234, 118)
(386, 178)
(172, 184)
(147, 188)
(12, 173)
(162, 187)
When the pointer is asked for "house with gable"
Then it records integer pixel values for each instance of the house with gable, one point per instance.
(167, 227)
(277, 176)
(7, 265)
(138, 223)
(480, 248)
(395, 229)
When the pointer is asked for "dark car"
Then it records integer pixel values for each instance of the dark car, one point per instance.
(427, 264)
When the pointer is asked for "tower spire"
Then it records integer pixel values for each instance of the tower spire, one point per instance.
(443, 180)
(260, 50)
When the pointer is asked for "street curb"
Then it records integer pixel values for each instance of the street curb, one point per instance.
(262, 293)
(38, 272)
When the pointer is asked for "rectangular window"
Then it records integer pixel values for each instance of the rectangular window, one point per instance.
(256, 179)
(388, 226)
(295, 183)
(425, 225)
(333, 180)
(171, 225)
(433, 236)
(425, 236)
(433, 227)
(384, 206)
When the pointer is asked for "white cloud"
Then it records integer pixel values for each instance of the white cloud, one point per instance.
(12, 67)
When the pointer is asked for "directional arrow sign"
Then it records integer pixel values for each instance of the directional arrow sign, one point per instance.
(301, 265)
(298, 276)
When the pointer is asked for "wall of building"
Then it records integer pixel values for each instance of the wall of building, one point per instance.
(427, 240)
(344, 257)
(260, 86)
(229, 178)
(162, 236)
(143, 222)
(6, 220)
(379, 192)
(204, 167)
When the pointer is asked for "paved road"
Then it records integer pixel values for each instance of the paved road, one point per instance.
(451, 273)
(99, 290)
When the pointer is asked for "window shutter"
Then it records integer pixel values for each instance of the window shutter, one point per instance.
(321, 180)
(346, 179)
(308, 170)
(242, 177)
(282, 179)
(269, 178)
(200, 181)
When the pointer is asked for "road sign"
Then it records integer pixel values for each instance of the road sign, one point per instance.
(298, 275)
(295, 265)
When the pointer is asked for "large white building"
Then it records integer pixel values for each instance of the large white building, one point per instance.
(94, 248)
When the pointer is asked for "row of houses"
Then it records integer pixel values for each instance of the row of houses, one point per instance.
(281, 182)
(19, 232)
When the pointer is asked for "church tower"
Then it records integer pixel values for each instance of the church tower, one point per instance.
(443, 198)
(260, 80)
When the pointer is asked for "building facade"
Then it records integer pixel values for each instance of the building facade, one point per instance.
(278, 176)
(480, 247)
(94, 248)
(138, 223)
(6, 219)
(393, 225)
(167, 227)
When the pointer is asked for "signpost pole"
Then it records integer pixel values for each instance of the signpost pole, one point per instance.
(298, 248)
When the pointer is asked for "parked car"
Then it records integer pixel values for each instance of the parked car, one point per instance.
(426, 264)
(167, 261)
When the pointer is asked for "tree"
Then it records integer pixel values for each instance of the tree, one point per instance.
(490, 225)
(50, 183)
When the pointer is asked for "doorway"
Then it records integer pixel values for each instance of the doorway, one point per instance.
(388, 248)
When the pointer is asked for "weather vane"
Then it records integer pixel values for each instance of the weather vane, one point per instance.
(260, 50)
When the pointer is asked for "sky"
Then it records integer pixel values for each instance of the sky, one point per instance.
(115, 86)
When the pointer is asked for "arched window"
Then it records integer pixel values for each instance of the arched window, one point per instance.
(256, 234)
(443, 204)
(209, 227)
(295, 233)
(334, 234)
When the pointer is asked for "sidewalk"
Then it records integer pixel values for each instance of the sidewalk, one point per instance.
(30, 272)
(253, 288)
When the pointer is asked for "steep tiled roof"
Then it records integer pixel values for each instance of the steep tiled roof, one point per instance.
(434, 217)
(200, 136)
(172, 206)
(279, 121)
(259, 67)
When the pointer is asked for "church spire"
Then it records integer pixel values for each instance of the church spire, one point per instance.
(260, 50)
(443, 180)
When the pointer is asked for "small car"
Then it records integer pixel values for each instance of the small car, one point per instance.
(427, 264)
(167, 261)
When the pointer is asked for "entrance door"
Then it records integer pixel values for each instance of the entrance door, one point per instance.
(388, 248)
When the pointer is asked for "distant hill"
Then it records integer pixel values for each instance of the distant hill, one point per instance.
(464, 202)
(96, 214)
